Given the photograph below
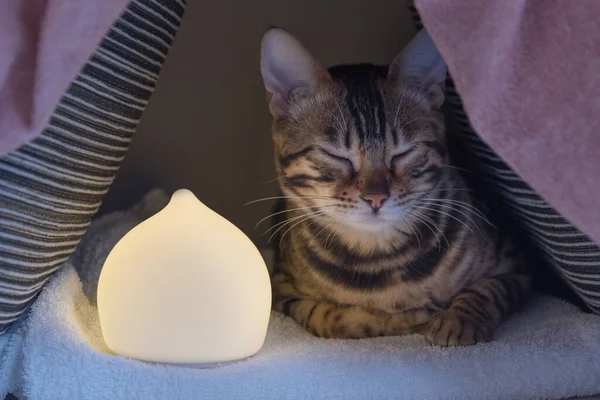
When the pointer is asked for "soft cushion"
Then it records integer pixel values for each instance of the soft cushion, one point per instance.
(549, 350)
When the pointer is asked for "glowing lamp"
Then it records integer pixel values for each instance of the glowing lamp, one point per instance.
(185, 286)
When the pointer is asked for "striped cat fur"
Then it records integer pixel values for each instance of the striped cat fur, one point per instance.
(377, 232)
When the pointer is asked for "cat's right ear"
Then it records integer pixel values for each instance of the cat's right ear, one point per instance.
(287, 69)
(422, 64)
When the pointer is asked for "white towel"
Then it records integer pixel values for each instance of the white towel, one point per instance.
(550, 350)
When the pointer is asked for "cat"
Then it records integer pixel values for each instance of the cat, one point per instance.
(379, 234)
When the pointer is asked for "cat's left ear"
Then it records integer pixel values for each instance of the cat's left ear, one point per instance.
(422, 65)
(289, 71)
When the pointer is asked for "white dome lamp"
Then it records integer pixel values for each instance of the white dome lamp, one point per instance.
(185, 286)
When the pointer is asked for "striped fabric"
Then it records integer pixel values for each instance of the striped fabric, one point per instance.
(572, 254)
(51, 188)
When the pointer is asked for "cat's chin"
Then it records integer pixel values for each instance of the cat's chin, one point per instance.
(370, 222)
(379, 235)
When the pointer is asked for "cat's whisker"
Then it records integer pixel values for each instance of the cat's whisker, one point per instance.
(296, 224)
(425, 220)
(339, 123)
(270, 181)
(460, 203)
(450, 216)
(295, 221)
(476, 212)
(411, 121)
(451, 206)
(411, 196)
(345, 125)
(282, 225)
(290, 198)
(420, 219)
(414, 230)
(322, 229)
(454, 167)
(330, 227)
(332, 231)
(313, 222)
(454, 190)
(284, 222)
(400, 104)
(288, 210)
(443, 190)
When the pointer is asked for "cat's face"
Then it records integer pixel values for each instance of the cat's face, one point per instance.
(354, 145)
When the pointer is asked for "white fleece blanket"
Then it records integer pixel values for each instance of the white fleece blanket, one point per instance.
(550, 350)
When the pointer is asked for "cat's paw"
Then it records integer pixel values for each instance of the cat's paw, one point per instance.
(451, 328)
(410, 321)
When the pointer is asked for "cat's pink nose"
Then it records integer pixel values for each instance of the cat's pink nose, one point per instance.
(375, 200)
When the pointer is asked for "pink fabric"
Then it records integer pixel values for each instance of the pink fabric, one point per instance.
(528, 73)
(43, 45)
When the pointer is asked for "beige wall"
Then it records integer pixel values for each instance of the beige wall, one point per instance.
(207, 126)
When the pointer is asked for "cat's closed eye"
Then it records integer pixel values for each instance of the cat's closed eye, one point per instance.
(400, 156)
(345, 162)
(420, 172)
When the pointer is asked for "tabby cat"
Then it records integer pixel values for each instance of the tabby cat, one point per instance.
(379, 235)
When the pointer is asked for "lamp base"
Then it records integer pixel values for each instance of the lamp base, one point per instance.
(213, 365)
